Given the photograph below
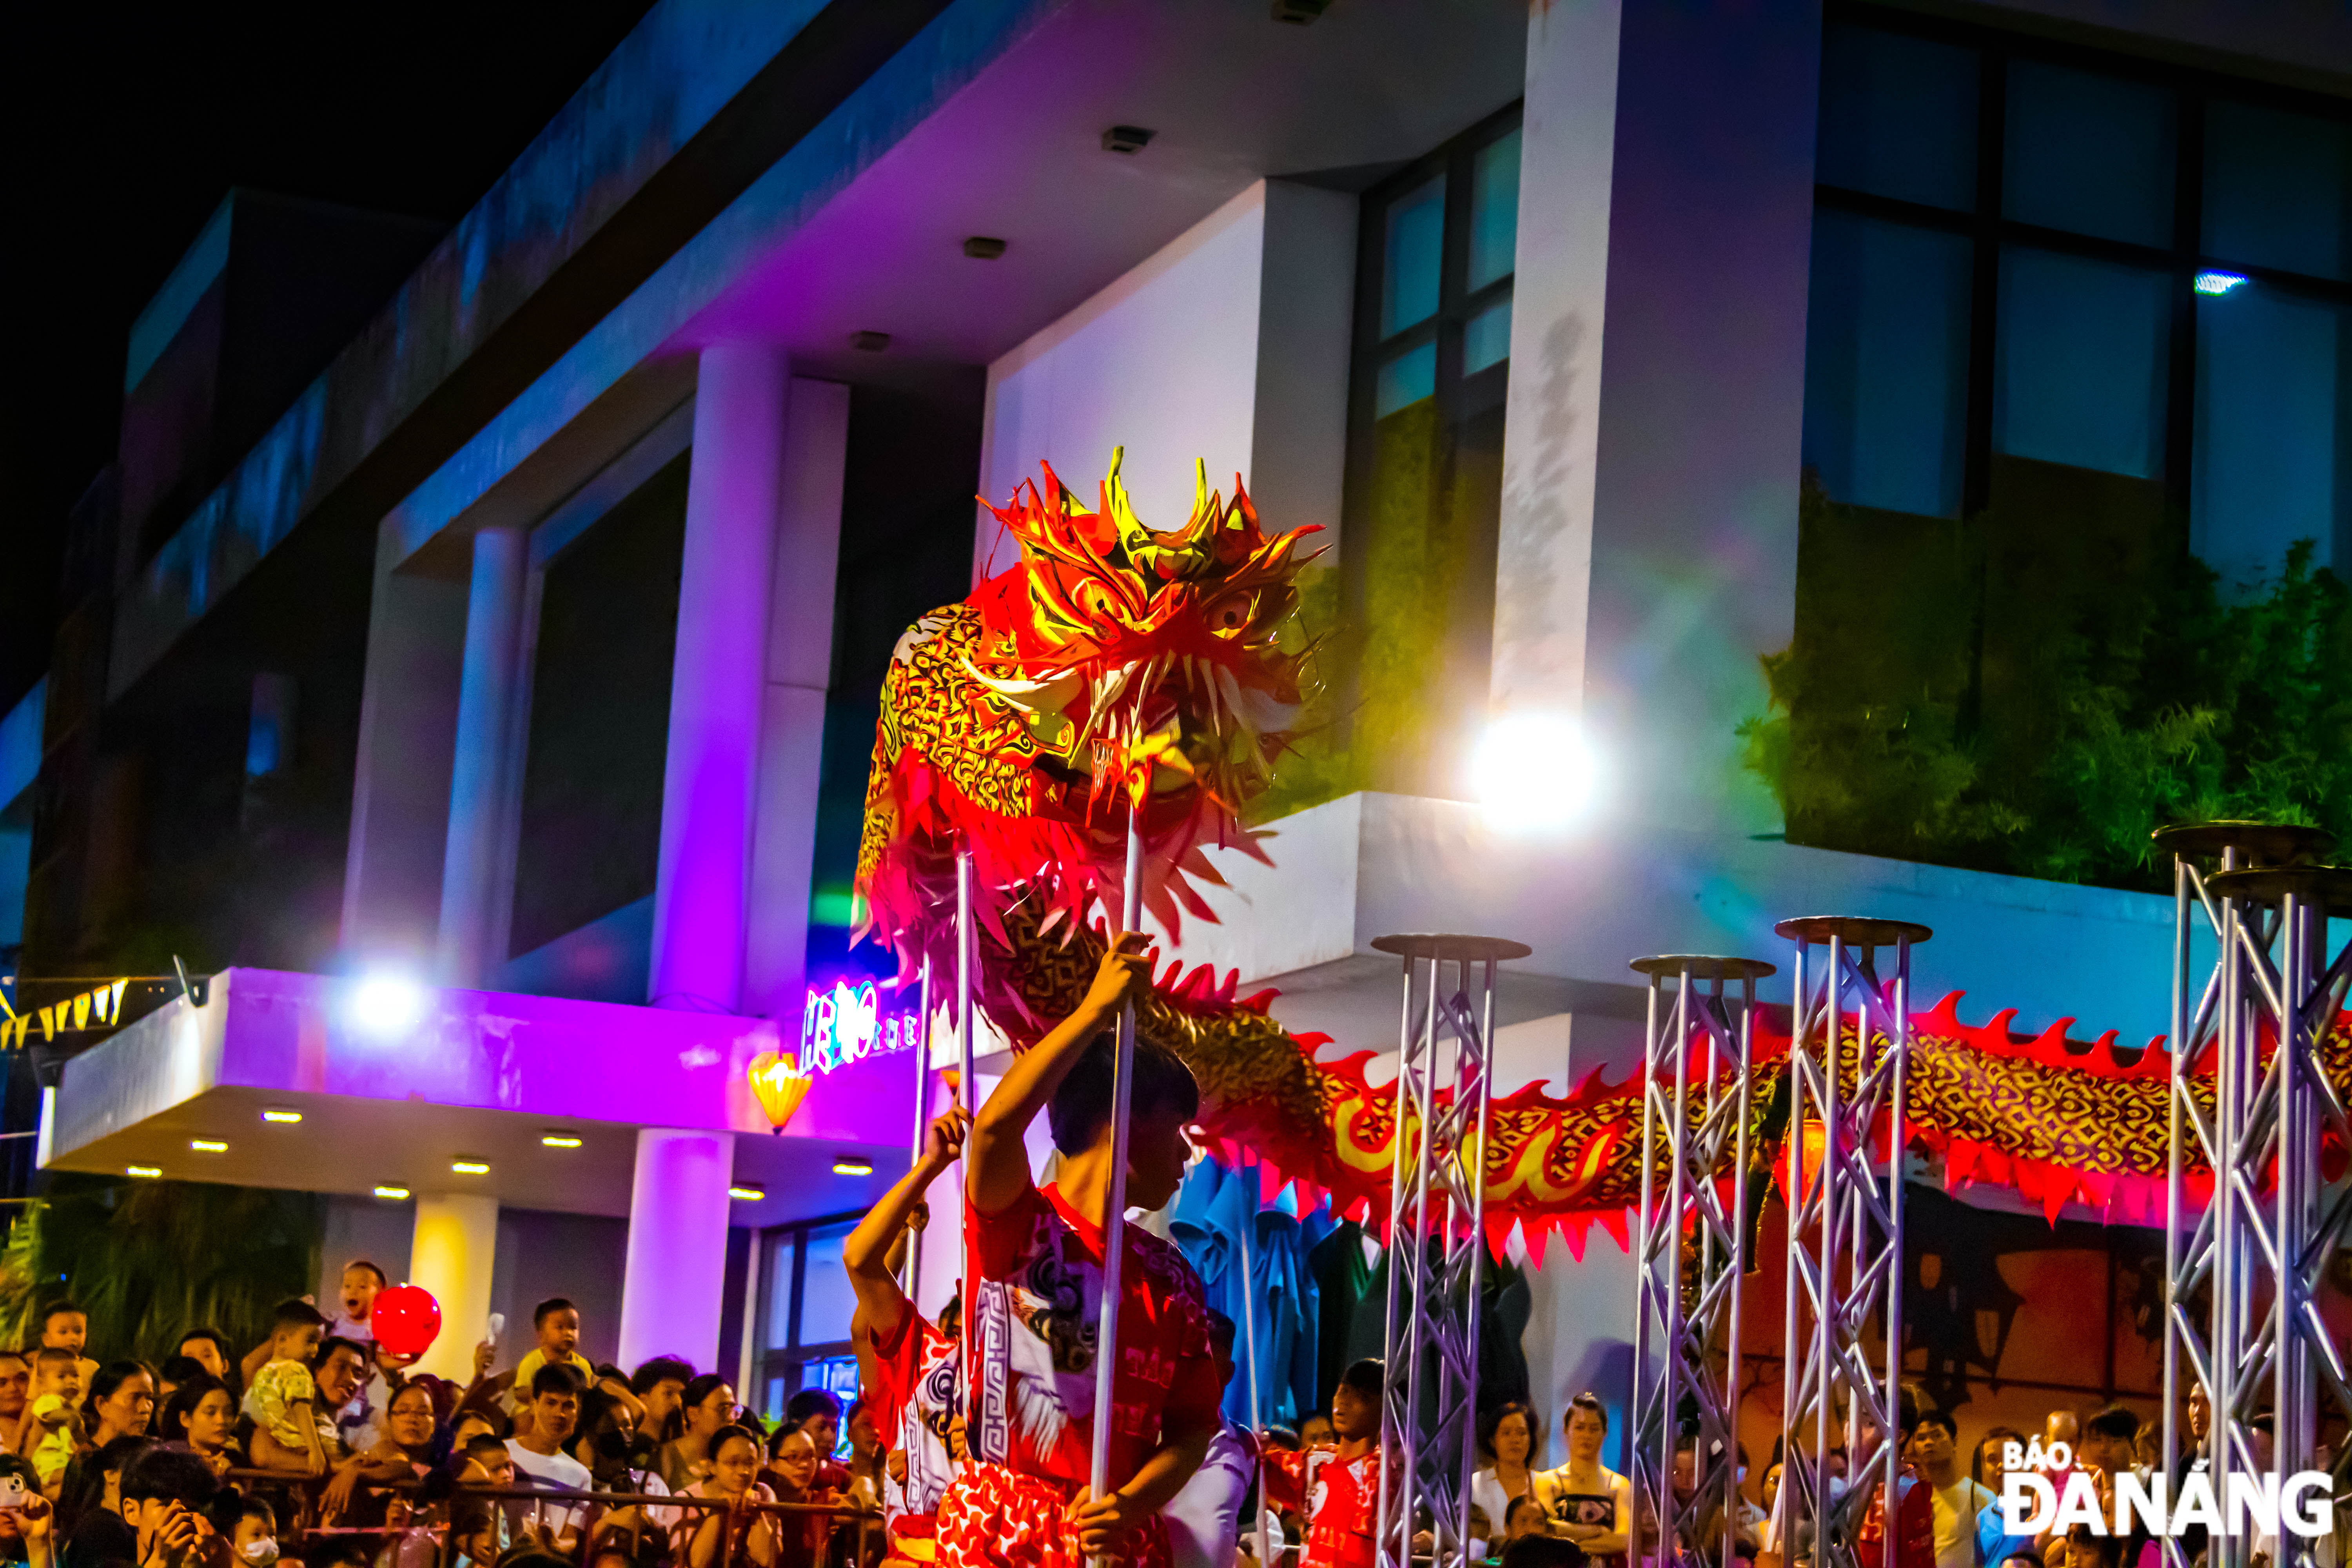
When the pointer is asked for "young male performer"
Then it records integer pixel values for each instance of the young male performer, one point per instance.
(1034, 1305)
(1336, 1488)
(905, 1362)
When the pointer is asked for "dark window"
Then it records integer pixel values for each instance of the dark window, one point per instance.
(2038, 268)
(1424, 466)
(805, 1307)
(592, 792)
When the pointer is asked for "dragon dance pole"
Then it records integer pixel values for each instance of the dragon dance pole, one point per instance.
(922, 1119)
(1249, 1349)
(1114, 1210)
(964, 947)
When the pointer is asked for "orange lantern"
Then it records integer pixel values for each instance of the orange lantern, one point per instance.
(780, 1086)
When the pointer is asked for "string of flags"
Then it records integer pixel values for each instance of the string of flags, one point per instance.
(101, 1007)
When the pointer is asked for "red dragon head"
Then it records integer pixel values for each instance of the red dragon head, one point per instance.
(1112, 668)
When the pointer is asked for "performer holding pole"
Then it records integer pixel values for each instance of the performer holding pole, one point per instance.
(1093, 1390)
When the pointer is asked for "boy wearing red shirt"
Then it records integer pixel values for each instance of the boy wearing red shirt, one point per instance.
(1338, 1489)
(1032, 1307)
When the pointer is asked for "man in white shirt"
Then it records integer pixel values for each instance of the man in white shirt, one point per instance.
(539, 1454)
(1956, 1499)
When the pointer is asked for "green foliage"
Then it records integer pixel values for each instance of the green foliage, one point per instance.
(2021, 694)
(151, 1260)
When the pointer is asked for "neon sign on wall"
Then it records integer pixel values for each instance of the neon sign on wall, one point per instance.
(847, 1023)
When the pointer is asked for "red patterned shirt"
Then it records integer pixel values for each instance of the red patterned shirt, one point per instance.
(1034, 1317)
(916, 1389)
(1339, 1497)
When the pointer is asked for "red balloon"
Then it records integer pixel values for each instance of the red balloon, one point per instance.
(406, 1319)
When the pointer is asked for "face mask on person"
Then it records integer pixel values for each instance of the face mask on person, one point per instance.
(260, 1552)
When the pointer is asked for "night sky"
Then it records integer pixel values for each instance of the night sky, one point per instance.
(132, 122)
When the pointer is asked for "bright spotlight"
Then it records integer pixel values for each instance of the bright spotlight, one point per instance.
(1534, 772)
(385, 1005)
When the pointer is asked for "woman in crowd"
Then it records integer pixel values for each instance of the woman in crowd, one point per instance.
(201, 1414)
(28, 1533)
(121, 1402)
(793, 1474)
(1590, 1503)
(727, 1535)
(866, 1456)
(709, 1408)
(1506, 1440)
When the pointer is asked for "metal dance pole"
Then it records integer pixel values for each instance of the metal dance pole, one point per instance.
(922, 1117)
(1437, 1210)
(964, 1094)
(1249, 1345)
(1114, 1211)
(1686, 1291)
(1849, 1052)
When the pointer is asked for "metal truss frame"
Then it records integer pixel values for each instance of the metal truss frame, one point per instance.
(1848, 1060)
(1690, 1240)
(2242, 1278)
(1437, 1193)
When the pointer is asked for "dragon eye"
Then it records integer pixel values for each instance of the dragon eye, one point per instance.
(1230, 615)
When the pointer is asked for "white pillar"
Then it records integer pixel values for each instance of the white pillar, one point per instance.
(492, 687)
(719, 679)
(1648, 543)
(677, 1277)
(791, 727)
(400, 793)
(452, 1254)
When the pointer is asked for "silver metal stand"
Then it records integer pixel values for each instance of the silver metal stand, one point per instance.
(1437, 1192)
(2243, 1277)
(1850, 1048)
(1690, 1244)
(914, 1281)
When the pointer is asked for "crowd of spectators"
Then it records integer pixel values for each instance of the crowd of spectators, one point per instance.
(321, 1445)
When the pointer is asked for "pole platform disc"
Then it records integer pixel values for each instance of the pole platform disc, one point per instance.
(1854, 930)
(1451, 948)
(2272, 843)
(1703, 966)
(2330, 886)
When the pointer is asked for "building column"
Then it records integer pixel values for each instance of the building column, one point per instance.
(672, 1295)
(718, 683)
(491, 685)
(400, 795)
(1648, 541)
(791, 722)
(452, 1254)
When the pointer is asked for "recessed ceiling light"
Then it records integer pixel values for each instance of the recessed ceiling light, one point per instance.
(852, 1166)
(559, 1139)
(470, 1167)
(208, 1145)
(746, 1195)
(1126, 139)
(147, 1171)
(984, 248)
(287, 1117)
(869, 342)
(394, 1193)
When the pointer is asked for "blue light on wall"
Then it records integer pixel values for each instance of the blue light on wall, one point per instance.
(2218, 282)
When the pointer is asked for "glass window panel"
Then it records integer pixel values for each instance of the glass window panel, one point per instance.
(825, 1297)
(2269, 466)
(773, 1407)
(778, 1303)
(2278, 188)
(1886, 361)
(1493, 211)
(2090, 153)
(2081, 376)
(1405, 380)
(1486, 338)
(1898, 116)
(1415, 249)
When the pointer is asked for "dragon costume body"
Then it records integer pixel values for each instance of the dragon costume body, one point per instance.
(1114, 668)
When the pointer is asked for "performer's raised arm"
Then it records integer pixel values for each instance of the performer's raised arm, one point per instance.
(867, 1250)
(998, 1172)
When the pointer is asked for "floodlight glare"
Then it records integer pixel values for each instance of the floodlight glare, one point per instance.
(385, 1005)
(1534, 772)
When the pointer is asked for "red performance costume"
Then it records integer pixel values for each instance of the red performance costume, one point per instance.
(916, 1391)
(1337, 1497)
(1035, 1308)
